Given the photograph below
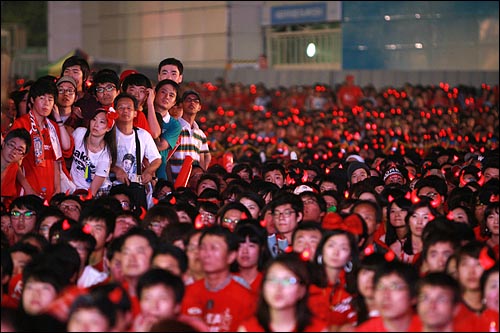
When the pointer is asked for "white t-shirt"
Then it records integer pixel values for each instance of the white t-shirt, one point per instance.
(126, 151)
(99, 163)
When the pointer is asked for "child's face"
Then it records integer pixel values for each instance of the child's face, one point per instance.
(88, 320)
(37, 296)
(158, 301)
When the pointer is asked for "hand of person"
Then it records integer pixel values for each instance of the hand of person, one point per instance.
(122, 176)
(77, 111)
(55, 113)
(151, 96)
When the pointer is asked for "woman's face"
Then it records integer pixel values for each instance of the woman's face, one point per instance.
(397, 216)
(492, 222)
(491, 291)
(281, 288)
(248, 254)
(252, 206)
(336, 251)
(419, 219)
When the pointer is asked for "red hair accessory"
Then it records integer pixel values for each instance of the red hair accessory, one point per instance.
(263, 223)
(87, 228)
(173, 201)
(111, 116)
(198, 223)
(66, 225)
(389, 256)
(46, 203)
(155, 201)
(370, 249)
(243, 216)
(116, 295)
(485, 260)
(143, 213)
(494, 198)
(305, 255)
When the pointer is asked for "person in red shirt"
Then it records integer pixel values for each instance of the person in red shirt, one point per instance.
(222, 300)
(395, 296)
(438, 299)
(330, 300)
(489, 287)
(470, 267)
(50, 141)
(283, 300)
(349, 94)
(14, 147)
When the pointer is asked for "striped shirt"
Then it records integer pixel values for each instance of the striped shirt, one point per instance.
(193, 142)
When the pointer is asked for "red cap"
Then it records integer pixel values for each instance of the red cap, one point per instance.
(126, 73)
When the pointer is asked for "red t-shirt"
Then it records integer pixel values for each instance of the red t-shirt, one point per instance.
(470, 321)
(223, 310)
(41, 175)
(10, 189)
(376, 324)
(142, 122)
(316, 325)
(332, 305)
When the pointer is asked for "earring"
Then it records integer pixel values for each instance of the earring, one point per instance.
(320, 259)
(348, 267)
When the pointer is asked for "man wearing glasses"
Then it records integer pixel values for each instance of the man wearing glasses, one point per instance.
(193, 141)
(17, 142)
(287, 211)
(23, 213)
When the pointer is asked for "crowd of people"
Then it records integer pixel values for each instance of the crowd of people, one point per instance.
(132, 204)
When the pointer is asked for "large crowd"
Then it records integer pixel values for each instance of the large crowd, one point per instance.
(132, 203)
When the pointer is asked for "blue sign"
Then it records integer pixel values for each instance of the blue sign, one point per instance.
(303, 13)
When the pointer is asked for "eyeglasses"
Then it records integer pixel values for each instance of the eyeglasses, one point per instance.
(431, 195)
(157, 224)
(207, 216)
(437, 300)
(392, 287)
(16, 214)
(17, 150)
(230, 221)
(66, 91)
(125, 204)
(71, 208)
(286, 213)
(107, 88)
(284, 282)
(309, 202)
(192, 100)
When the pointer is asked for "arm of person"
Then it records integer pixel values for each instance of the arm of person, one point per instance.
(63, 132)
(149, 172)
(57, 176)
(96, 184)
(21, 179)
(154, 127)
(121, 175)
(205, 159)
(161, 144)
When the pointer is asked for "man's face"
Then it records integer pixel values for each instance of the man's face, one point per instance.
(126, 110)
(170, 72)
(14, 150)
(285, 218)
(191, 104)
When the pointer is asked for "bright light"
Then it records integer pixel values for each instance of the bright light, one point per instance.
(419, 46)
(311, 50)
